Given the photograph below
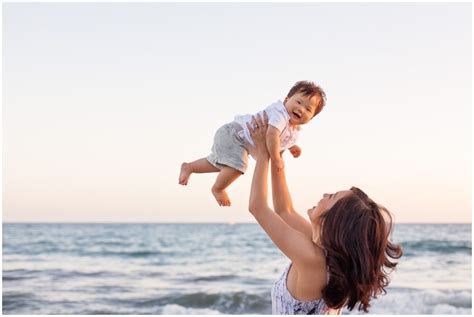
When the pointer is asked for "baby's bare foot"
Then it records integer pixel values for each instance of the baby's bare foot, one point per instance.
(184, 174)
(221, 197)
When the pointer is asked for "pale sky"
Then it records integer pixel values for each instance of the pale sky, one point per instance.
(103, 102)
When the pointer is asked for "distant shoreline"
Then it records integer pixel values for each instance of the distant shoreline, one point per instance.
(206, 223)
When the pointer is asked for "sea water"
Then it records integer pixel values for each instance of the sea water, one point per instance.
(205, 269)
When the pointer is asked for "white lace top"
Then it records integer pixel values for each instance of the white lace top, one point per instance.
(285, 304)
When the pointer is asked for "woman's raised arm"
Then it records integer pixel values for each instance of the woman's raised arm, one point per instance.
(284, 205)
(293, 243)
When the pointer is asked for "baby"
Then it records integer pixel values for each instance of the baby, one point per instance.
(233, 143)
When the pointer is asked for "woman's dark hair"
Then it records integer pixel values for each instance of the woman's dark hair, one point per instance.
(355, 233)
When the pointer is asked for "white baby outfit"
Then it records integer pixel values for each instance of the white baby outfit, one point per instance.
(233, 143)
(279, 118)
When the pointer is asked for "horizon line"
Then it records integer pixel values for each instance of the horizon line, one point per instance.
(190, 223)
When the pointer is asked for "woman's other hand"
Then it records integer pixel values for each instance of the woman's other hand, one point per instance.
(258, 131)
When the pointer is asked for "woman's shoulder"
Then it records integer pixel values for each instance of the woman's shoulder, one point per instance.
(313, 273)
(313, 261)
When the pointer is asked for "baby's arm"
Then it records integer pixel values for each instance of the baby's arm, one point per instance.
(273, 146)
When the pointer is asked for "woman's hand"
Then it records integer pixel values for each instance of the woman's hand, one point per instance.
(258, 131)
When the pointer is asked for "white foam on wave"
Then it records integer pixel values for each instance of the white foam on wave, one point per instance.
(445, 309)
(415, 301)
(173, 309)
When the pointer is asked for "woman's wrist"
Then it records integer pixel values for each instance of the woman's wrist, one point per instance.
(262, 153)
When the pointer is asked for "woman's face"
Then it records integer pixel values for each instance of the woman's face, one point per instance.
(326, 203)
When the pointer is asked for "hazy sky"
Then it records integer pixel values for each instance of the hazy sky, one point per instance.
(103, 102)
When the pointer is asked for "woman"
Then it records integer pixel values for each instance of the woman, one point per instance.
(338, 259)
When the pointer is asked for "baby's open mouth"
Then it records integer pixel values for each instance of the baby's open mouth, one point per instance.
(297, 115)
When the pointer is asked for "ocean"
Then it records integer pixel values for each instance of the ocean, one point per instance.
(205, 269)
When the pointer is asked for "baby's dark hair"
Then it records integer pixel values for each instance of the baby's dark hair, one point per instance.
(308, 88)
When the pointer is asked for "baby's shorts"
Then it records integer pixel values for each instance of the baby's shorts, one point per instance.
(228, 148)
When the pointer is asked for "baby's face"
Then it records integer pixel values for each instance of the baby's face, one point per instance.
(301, 108)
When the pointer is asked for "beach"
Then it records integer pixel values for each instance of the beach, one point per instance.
(205, 269)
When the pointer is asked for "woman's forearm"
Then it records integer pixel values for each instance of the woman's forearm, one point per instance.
(259, 191)
(273, 143)
(283, 205)
(281, 196)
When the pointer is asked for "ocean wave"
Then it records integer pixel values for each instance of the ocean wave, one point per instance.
(396, 301)
(19, 274)
(15, 301)
(95, 251)
(445, 309)
(13, 278)
(229, 303)
(212, 278)
(126, 254)
(173, 309)
(60, 274)
(147, 273)
(438, 246)
(32, 249)
(22, 274)
(414, 301)
(247, 280)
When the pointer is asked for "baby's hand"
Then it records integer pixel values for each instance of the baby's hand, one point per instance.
(295, 150)
(279, 164)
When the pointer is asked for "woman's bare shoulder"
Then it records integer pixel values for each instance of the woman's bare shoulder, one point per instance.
(308, 280)
(313, 268)
(316, 257)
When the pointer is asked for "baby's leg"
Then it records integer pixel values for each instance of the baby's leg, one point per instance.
(226, 176)
(198, 166)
